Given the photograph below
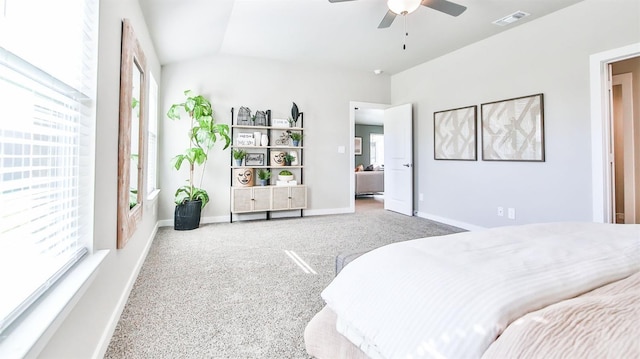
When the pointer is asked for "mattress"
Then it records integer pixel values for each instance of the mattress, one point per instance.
(451, 296)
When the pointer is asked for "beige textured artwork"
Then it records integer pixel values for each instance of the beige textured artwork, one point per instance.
(455, 134)
(512, 130)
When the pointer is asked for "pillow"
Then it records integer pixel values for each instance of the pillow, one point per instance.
(369, 168)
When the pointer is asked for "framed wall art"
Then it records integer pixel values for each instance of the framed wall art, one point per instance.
(254, 159)
(357, 146)
(455, 135)
(513, 129)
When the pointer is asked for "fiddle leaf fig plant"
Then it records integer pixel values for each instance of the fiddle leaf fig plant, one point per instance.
(203, 135)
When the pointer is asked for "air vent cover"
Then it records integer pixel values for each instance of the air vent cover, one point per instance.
(511, 18)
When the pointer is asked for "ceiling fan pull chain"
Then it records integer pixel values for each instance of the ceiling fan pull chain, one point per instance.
(406, 33)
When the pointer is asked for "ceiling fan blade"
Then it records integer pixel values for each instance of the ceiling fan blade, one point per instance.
(387, 20)
(445, 6)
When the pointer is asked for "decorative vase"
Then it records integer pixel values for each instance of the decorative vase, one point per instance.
(264, 141)
(277, 158)
(256, 136)
(239, 162)
(243, 177)
(294, 161)
(295, 143)
(264, 182)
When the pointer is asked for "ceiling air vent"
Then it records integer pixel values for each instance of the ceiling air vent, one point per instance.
(511, 18)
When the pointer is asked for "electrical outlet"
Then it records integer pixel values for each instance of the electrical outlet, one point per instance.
(511, 213)
(500, 211)
(422, 196)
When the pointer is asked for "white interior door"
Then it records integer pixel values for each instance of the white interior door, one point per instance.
(398, 159)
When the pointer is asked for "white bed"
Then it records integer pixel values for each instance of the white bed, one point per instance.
(452, 296)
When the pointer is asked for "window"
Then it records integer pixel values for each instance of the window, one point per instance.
(376, 149)
(152, 157)
(47, 95)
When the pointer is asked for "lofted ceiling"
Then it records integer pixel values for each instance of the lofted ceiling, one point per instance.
(316, 32)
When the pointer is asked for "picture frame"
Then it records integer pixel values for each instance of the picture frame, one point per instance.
(246, 139)
(455, 134)
(513, 129)
(357, 146)
(254, 159)
(279, 122)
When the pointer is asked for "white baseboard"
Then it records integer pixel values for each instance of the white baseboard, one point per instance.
(224, 219)
(103, 345)
(449, 221)
(203, 220)
(324, 212)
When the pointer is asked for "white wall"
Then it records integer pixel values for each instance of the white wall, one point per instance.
(88, 328)
(323, 94)
(550, 56)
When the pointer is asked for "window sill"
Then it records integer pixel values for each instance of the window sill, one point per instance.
(153, 195)
(28, 335)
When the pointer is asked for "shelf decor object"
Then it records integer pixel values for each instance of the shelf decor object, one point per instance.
(244, 116)
(243, 177)
(254, 159)
(454, 134)
(513, 129)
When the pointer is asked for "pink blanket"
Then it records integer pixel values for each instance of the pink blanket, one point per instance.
(602, 323)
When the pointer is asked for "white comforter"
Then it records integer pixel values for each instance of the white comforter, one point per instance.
(451, 296)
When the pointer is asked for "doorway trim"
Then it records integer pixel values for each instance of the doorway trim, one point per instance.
(352, 134)
(600, 128)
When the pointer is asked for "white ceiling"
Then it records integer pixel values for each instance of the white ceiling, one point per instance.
(316, 32)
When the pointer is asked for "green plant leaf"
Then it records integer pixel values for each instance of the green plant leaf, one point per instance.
(177, 161)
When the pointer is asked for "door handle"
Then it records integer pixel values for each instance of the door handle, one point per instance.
(407, 164)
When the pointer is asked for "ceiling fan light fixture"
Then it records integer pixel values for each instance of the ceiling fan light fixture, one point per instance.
(403, 7)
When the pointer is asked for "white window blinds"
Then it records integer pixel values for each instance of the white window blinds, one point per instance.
(152, 157)
(47, 96)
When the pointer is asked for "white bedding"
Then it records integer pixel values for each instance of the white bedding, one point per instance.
(451, 296)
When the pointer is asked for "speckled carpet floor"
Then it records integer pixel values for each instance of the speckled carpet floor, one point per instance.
(233, 291)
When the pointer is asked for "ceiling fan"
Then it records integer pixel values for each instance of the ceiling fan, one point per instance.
(404, 7)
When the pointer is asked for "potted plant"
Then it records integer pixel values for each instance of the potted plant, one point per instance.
(203, 134)
(264, 176)
(285, 175)
(288, 158)
(239, 154)
(296, 137)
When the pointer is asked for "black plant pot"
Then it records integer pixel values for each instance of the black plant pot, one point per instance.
(187, 215)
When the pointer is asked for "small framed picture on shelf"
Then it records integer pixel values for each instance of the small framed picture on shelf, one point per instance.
(279, 122)
(254, 159)
(246, 139)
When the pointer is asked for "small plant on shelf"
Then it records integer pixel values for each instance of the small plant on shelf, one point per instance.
(239, 154)
(296, 137)
(264, 176)
(285, 175)
(288, 159)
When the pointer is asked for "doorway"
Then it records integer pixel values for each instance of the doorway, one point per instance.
(614, 158)
(368, 156)
(625, 148)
